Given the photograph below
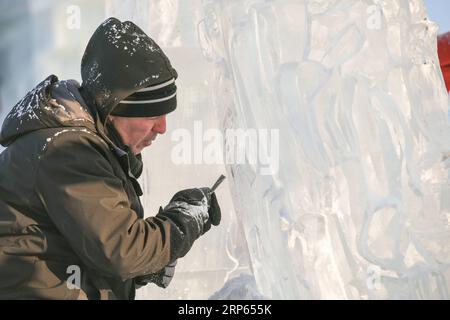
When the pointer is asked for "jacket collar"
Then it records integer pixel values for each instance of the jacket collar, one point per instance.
(135, 164)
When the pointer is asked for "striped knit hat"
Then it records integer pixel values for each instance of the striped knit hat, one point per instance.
(152, 101)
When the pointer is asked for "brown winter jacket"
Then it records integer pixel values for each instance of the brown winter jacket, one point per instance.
(68, 197)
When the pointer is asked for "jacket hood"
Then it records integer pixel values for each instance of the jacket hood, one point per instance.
(119, 60)
(51, 104)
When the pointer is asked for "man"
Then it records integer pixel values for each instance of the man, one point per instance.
(69, 195)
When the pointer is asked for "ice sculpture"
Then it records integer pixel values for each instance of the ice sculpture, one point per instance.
(360, 205)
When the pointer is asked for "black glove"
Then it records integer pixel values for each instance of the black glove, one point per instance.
(199, 197)
(161, 278)
(215, 214)
(192, 211)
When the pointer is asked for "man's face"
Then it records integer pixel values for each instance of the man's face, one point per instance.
(138, 133)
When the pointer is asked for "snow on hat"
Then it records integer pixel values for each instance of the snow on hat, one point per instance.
(152, 101)
(119, 61)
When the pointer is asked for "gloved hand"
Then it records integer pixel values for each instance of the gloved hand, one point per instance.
(192, 211)
(161, 278)
(202, 198)
(200, 204)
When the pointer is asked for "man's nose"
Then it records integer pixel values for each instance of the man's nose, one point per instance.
(160, 125)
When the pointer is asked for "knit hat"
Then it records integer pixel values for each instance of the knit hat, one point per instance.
(152, 101)
(126, 73)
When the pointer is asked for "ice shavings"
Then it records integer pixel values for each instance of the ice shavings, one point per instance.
(124, 37)
(242, 287)
(63, 131)
(29, 107)
(363, 129)
(93, 74)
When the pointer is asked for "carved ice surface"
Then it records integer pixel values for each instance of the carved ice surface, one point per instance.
(360, 205)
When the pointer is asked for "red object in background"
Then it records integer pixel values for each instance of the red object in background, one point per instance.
(444, 57)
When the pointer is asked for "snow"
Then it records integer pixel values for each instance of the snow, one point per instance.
(25, 108)
(94, 74)
(358, 208)
(238, 288)
(129, 44)
(62, 131)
